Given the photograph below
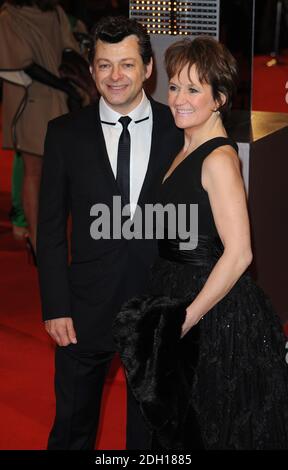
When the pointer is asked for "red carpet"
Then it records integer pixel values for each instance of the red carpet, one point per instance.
(26, 366)
(270, 85)
(26, 392)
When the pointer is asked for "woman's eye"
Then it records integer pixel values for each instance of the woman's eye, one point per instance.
(172, 87)
(193, 90)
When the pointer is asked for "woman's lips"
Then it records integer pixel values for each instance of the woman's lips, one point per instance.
(184, 112)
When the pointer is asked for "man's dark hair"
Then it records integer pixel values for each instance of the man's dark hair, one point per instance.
(44, 5)
(113, 29)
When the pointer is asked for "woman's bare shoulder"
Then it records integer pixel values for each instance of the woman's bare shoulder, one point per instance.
(222, 157)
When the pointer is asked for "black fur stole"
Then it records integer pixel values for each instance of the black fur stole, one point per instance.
(160, 367)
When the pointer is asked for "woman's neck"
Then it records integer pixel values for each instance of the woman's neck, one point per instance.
(196, 136)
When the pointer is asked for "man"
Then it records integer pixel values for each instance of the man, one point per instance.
(85, 163)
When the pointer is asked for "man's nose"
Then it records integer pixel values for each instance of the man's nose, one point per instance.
(116, 73)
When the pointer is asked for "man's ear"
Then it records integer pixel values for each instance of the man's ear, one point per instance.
(91, 68)
(148, 69)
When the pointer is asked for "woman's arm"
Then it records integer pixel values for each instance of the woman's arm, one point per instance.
(221, 178)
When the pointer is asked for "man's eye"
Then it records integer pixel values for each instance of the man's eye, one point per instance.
(128, 66)
(103, 66)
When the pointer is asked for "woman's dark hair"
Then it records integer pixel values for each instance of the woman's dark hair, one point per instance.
(215, 66)
(44, 5)
(113, 29)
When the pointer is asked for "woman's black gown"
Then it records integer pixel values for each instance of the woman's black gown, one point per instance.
(225, 384)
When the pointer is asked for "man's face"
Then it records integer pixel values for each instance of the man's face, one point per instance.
(119, 73)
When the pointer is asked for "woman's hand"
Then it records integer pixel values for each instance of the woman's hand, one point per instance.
(189, 321)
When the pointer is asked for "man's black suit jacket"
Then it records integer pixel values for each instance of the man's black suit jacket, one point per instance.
(101, 274)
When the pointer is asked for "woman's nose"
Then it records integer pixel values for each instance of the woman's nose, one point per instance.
(180, 97)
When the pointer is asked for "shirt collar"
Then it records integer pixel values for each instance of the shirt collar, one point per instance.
(142, 111)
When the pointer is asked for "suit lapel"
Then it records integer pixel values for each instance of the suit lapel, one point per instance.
(154, 153)
(102, 154)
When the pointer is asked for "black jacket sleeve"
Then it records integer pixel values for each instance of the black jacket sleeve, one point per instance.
(42, 75)
(52, 243)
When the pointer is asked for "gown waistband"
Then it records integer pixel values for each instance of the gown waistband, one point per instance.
(207, 251)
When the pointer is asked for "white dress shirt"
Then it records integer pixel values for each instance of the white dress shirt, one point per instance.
(140, 138)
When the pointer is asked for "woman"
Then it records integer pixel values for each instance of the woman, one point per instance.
(33, 34)
(224, 385)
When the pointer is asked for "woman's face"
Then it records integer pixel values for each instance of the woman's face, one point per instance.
(190, 101)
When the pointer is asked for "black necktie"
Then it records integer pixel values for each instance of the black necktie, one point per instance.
(123, 161)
